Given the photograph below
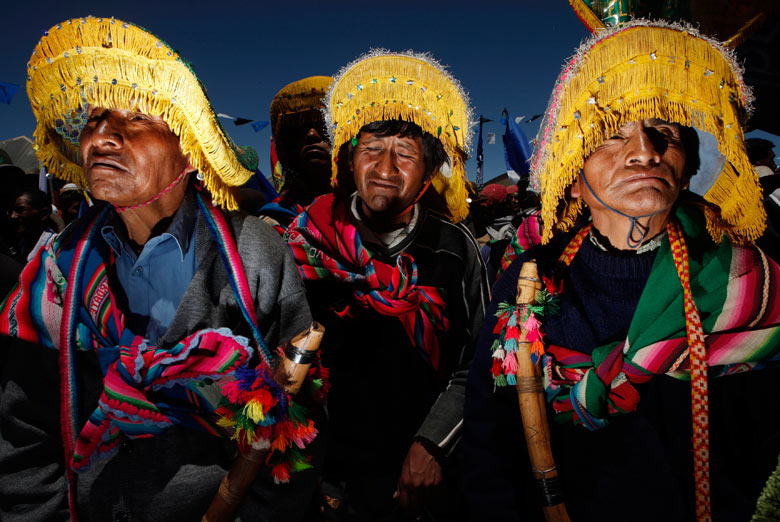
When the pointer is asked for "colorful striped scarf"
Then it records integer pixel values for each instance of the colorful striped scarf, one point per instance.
(326, 245)
(736, 291)
(145, 389)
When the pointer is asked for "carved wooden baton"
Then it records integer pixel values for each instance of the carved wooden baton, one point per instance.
(532, 406)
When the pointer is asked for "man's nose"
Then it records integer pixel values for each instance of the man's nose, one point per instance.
(385, 165)
(642, 150)
(108, 132)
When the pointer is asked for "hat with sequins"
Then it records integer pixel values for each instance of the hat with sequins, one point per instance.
(412, 87)
(651, 70)
(307, 94)
(117, 65)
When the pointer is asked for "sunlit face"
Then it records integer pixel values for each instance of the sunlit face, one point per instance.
(389, 172)
(129, 157)
(638, 171)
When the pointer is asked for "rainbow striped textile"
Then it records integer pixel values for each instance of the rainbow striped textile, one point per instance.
(326, 245)
(735, 289)
(64, 301)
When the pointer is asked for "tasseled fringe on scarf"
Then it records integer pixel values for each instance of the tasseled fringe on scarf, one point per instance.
(140, 73)
(409, 87)
(660, 73)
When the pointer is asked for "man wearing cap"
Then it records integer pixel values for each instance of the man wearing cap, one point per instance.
(655, 303)
(399, 287)
(141, 308)
(300, 142)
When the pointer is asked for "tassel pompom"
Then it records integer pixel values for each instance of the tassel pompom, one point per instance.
(495, 368)
(263, 415)
(509, 365)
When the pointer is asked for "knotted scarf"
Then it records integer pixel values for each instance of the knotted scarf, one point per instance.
(136, 378)
(141, 382)
(735, 289)
(64, 301)
(326, 245)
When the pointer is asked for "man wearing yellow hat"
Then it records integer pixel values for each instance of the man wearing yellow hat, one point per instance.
(145, 305)
(399, 287)
(654, 298)
(300, 141)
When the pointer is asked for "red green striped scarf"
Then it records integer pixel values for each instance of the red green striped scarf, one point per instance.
(326, 245)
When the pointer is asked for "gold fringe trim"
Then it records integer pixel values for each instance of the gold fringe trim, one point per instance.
(411, 88)
(302, 95)
(116, 65)
(649, 72)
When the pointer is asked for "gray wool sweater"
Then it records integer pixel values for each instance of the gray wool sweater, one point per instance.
(171, 477)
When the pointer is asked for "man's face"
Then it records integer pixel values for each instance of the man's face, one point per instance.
(305, 151)
(389, 172)
(25, 216)
(128, 157)
(638, 171)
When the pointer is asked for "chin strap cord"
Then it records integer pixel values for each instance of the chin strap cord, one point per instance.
(635, 224)
(158, 196)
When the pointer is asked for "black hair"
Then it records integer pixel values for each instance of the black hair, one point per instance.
(69, 196)
(758, 149)
(38, 199)
(434, 155)
(690, 144)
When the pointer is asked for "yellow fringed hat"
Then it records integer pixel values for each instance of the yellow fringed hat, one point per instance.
(118, 65)
(412, 87)
(650, 70)
(307, 94)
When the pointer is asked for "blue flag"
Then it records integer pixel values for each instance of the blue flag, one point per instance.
(259, 125)
(517, 150)
(260, 183)
(7, 91)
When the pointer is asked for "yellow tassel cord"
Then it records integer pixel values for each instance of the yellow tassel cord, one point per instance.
(409, 88)
(303, 95)
(113, 64)
(649, 72)
(586, 15)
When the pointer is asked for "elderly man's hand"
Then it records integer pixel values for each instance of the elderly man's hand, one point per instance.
(419, 473)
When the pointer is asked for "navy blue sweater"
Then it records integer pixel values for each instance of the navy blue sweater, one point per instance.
(640, 466)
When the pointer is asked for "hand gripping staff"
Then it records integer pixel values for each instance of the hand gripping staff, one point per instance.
(290, 374)
(532, 406)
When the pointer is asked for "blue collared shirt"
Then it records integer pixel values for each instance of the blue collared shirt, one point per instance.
(155, 280)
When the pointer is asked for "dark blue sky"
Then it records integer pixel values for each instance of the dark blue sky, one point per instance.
(505, 53)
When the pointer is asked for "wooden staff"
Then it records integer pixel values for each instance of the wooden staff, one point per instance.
(290, 375)
(533, 408)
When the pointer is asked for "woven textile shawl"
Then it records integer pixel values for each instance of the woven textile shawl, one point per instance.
(326, 245)
(736, 291)
(146, 388)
